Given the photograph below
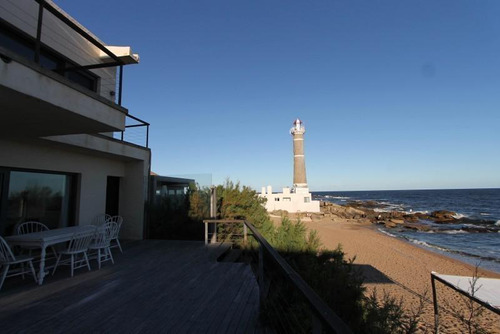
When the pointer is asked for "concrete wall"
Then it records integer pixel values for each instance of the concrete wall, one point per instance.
(93, 167)
(24, 15)
(295, 203)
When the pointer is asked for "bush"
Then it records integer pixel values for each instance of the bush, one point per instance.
(328, 272)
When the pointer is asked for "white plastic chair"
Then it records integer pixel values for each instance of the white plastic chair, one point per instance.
(33, 227)
(114, 237)
(7, 259)
(100, 219)
(78, 246)
(101, 243)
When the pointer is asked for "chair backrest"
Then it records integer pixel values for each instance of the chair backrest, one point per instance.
(104, 234)
(118, 220)
(6, 254)
(30, 227)
(80, 241)
(100, 219)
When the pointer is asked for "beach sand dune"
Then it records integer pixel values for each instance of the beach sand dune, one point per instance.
(402, 270)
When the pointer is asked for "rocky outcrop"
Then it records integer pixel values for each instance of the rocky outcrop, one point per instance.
(329, 209)
(366, 212)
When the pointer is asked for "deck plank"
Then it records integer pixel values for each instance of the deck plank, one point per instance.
(155, 286)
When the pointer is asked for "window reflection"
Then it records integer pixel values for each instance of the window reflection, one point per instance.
(38, 196)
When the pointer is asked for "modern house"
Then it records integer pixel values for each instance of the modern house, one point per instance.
(63, 157)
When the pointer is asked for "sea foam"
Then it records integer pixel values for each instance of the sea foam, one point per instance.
(387, 233)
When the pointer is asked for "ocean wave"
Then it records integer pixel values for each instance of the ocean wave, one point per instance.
(459, 216)
(423, 243)
(382, 210)
(474, 226)
(454, 231)
(410, 212)
(484, 214)
(334, 197)
(497, 223)
(387, 233)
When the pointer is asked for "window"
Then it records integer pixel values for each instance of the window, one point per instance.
(287, 199)
(277, 199)
(24, 46)
(307, 199)
(45, 197)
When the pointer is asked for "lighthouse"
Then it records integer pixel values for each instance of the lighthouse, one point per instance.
(299, 164)
(297, 199)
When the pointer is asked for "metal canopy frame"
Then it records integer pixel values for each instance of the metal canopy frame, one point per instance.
(435, 277)
(43, 4)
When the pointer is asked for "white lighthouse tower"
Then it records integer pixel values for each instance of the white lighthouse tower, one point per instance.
(297, 199)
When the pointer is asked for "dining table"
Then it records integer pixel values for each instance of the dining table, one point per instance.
(46, 239)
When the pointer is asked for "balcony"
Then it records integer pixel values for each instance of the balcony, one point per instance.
(36, 102)
(46, 90)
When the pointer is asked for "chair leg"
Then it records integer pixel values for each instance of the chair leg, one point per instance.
(22, 270)
(4, 274)
(110, 255)
(57, 262)
(99, 258)
(72, 264)
(86, 259)
(119, 245)
(33, 270)
(54, 251)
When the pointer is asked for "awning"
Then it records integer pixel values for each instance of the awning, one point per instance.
(484, 291)
(487, 289)
(124, 53)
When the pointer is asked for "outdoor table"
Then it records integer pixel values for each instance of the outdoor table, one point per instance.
(45, 239)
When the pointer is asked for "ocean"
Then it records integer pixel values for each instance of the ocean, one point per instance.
(480, 247)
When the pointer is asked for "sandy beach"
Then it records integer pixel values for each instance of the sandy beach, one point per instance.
(401, 269)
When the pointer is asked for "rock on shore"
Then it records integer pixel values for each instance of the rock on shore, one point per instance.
(392, 219)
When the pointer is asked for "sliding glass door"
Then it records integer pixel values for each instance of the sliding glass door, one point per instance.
(40, 196)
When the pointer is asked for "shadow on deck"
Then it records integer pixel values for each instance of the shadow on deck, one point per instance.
(155, 286)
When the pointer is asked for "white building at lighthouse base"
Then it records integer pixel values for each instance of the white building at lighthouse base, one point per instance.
(297, 201)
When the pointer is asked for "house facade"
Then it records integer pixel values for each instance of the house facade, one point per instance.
(63, 157)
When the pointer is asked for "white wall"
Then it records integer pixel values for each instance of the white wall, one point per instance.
(296, 203)
(93, 169)
(24, 15)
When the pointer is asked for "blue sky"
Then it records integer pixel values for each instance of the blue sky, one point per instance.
(394, 94)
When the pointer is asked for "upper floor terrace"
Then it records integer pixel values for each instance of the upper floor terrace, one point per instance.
(56, 77)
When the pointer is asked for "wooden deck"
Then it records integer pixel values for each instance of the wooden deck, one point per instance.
(156, 286)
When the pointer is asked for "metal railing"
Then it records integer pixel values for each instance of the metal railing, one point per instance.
(290, 303)
(43, 5)
(138, 138)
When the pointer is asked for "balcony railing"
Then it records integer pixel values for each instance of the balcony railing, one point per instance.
(136, 132)
(116, 61)
(294, 305)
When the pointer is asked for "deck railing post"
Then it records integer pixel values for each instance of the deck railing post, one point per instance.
(434, 297)
(39, 32)
(317, 327)
(262, 289)
(213, 212)
(206, 233)
(245, 232)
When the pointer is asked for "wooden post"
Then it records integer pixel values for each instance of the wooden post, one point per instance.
(245, 232)
(213, 212)
(317, 327)
(434, 297)
(39, 32)
(261, 275)
(206, 233)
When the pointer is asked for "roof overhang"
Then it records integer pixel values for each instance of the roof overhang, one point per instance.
(124, 53)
